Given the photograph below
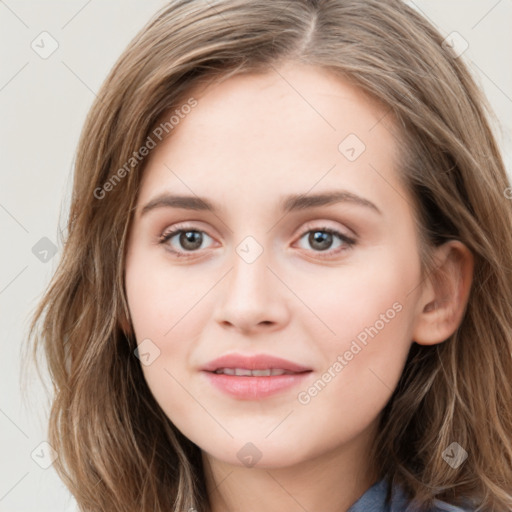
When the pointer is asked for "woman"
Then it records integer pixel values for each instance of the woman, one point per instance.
(207, 354)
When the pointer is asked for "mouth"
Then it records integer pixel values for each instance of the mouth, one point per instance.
(245, 372)
(254, 377)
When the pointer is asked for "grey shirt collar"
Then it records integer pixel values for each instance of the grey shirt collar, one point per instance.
(374, 500)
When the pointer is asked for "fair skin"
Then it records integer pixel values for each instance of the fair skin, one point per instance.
(249, 142)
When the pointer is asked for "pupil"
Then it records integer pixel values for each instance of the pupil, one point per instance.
(322, 238)
(190, 240)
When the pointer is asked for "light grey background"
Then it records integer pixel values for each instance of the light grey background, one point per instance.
(43, 103)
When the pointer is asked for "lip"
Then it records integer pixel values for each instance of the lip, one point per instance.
(254, 362)
(254, 388)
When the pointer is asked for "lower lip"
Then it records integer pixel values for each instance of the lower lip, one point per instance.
(254, 388)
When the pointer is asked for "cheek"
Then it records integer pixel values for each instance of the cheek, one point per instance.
(361, 372)
(349, 300)
(168, 309)
(369, 312)
(362, 365)
(159, 296)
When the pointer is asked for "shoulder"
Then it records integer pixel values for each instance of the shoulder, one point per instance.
(374, 500)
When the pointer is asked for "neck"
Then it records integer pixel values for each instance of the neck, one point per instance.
(332, 481)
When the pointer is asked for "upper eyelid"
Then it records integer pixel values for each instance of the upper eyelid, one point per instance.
(184, 226)
(308, 226)
(321, 225)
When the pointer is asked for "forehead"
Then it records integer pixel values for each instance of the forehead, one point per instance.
(291, 127)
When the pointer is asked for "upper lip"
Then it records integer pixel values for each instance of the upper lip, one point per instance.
(254, 362)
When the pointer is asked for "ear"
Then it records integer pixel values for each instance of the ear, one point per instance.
(445, 294)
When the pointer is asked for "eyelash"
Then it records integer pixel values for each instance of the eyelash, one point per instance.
(169, 234)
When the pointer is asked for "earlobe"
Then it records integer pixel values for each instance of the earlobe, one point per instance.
(445, 294)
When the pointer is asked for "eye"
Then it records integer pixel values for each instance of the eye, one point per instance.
(323, 239)
(188, 240)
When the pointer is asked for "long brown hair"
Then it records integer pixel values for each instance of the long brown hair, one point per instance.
(117, 449)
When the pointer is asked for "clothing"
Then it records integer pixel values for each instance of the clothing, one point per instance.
(373, 500)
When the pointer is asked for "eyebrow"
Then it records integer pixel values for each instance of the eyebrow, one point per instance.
(289, 203)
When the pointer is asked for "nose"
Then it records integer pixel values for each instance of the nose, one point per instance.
(252, 298)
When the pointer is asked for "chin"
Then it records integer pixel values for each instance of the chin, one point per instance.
(253, 454)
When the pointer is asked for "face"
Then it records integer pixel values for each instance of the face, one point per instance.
(276, 269)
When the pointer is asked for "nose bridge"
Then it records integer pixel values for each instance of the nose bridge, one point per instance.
(251, 294)
(250, 274)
